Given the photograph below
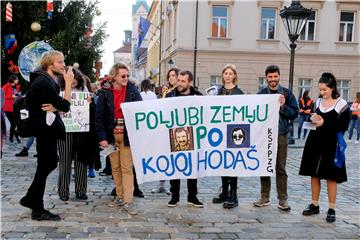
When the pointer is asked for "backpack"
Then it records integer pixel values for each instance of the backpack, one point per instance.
(22, 119)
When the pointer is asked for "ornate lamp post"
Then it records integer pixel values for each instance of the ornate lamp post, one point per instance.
(294, 19)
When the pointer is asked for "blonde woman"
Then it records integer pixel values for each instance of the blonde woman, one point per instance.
(228, 194)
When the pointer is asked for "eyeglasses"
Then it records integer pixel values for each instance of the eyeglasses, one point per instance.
(125, 76)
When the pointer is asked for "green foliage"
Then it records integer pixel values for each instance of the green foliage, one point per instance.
(64, 32)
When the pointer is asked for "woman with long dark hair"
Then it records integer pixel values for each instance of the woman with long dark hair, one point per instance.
(331, 115)
(73, 147)
(11, 91)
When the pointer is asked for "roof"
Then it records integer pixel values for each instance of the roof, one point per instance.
(136, 6)
(124, 49)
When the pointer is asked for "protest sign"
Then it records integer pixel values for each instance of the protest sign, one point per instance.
(78, 118)
(197, 136)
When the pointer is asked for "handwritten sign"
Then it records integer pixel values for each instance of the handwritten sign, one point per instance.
(197, 136)
(78, 118)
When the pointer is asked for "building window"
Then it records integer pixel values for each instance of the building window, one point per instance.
(308, 31)
(344, 89)
(305, 84)
(268, 23)
(219, 23)
(215, 80)
(262, 83)
(346, 31)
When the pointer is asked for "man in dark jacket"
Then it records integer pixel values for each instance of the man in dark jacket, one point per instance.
(43, 103)
(110, 129)
(288, 111)
(184, 89)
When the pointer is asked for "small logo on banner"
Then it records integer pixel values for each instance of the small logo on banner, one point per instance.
(238, 135)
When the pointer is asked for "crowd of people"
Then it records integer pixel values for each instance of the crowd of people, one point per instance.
(329, 114)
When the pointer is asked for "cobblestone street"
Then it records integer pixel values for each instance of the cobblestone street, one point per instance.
(93, 219)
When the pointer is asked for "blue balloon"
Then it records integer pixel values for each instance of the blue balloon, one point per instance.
(30, 56)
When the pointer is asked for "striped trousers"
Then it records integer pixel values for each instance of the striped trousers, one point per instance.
(67, 153)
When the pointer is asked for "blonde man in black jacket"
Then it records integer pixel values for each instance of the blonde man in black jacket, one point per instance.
(43, 98)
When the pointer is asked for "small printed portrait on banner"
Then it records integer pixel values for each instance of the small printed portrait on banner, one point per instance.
(181, 139)
(238, 135)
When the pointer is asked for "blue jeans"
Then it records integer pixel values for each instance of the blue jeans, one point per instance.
(29, 142)
(354, 123)
(302, 119)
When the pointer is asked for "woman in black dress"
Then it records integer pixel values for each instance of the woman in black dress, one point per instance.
(331, 115)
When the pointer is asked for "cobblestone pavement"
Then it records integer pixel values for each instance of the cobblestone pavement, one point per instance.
(93, 219)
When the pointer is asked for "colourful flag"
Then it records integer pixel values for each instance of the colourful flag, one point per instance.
(142, 30)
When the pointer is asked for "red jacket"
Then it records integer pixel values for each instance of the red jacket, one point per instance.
(9, 100)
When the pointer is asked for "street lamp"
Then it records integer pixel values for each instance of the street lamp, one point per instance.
(170, 62)
(294, 19)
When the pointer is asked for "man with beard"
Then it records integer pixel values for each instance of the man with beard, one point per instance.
(44, 103)
(183, 139)
(288, 111)
(183, 89)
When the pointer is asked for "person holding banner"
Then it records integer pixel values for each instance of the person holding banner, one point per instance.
(44, 102)
(229, 87)
(288, 112)
(74, 147)
(111, 129)
(332, 115)
(183, 89)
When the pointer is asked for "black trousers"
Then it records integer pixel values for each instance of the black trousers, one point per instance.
(10, 116)
(191, 185)
(46, 163)
(229, 182)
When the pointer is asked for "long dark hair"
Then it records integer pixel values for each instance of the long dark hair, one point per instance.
(78, 75)
(146, 85)
(330, 81)
(168, 73)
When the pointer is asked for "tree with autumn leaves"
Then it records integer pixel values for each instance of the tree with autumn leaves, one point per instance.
(70, 30)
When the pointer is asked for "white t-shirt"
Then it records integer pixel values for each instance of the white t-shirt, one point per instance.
(148, 95)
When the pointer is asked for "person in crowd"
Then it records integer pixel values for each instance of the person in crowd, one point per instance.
(355, 119)
(146, 90)
(288, 112)
(11, 91)
(305, 106)
(44, 102)
(106, 83)
(172, 79)
(331, 115)
(73, 147)
(93, 152)
(25, 151)
(2, 123)
(228, 194)
(184, 89)
(111, 129)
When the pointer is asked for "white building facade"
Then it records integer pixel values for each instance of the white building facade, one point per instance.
(251, 35)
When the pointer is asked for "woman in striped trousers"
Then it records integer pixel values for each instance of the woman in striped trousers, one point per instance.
(72, 148)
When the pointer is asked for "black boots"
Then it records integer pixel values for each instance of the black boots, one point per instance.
(222, 197)
(232, 201)
(23, 153)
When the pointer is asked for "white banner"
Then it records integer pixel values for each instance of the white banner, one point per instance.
(78, 118)
(197, 136)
